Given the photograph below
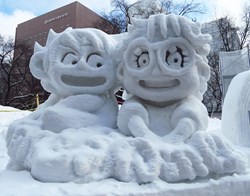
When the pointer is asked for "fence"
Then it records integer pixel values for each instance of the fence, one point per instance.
(37, 104)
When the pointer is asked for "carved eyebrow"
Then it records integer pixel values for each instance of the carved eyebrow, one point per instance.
(94, 53)
(66, 55)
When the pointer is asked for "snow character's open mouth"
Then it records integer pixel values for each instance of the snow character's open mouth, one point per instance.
(159, 83)
(83, 81)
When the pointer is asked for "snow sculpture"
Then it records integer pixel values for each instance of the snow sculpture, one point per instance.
(165, 69)
(76, 68)
(165, 72)
(236, 110)
(161, 131)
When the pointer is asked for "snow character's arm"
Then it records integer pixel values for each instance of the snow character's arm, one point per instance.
(31, 122)
(80, 111)
(189, 117)
(22, 132)
(133, 118)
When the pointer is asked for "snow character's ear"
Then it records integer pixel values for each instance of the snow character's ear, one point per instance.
(37, 63)
(119, 72)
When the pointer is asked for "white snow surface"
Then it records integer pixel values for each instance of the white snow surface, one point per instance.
(21, 183)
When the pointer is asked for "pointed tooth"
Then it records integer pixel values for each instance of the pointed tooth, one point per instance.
(134, 58)
(184, 52)
(172, 49)
(138, 51)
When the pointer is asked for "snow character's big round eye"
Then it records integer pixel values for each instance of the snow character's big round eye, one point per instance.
(70, 59)
(175, 57)
(141, 58)
(95, 60)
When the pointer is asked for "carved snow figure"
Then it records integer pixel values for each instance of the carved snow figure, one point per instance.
(165, 72)
(165, 69)
(76, 68)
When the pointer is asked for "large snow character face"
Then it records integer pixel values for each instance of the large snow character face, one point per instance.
(163, 67)
(76, 62)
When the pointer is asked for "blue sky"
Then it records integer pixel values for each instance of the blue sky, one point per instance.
(13, 12)
(39, 7)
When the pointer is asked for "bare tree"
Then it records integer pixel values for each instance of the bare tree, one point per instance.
(212, 99)
(228, 34)
(18, 87)
(123, 11)
(112, 23)
(244, 30)
(186, 8)
(227, 37)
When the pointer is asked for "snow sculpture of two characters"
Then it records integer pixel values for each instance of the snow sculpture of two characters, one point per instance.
(159, 132)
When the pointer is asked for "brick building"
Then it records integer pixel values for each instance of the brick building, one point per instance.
(73, 15)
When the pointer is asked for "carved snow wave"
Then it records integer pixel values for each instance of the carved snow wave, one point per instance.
(86, 155)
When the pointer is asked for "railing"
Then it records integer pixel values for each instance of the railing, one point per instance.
(16, 110)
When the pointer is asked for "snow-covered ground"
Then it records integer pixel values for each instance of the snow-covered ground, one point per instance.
(21, 183)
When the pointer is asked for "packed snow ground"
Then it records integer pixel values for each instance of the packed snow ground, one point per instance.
(22, 183)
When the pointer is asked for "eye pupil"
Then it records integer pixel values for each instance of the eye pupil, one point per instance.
(175, 58)
(98, 65)
(95, 60)
(69, 58)
(143, 59)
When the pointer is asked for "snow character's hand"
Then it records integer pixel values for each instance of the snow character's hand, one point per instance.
(135, 160)
(180, 163)
(79, 154)
(218, 153)
(181, 132)
(19, 141)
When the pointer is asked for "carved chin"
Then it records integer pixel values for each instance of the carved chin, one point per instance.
(154, 84)
(83, 81)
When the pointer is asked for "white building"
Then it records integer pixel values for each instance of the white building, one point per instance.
(225, 43)
(232, 63)
(224, 38)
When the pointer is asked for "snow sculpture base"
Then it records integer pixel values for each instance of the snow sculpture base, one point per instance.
(86, 155)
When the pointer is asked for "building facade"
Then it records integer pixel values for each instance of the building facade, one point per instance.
(224, 35)
(73, 15)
